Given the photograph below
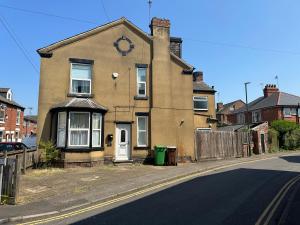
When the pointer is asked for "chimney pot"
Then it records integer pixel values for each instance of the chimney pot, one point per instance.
(270, 89)
(198, 76)
(220, 106)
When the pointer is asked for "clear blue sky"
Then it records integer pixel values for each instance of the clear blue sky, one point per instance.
(231, 41)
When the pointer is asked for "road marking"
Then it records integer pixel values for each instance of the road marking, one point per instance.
(137, 193)
(276, 201)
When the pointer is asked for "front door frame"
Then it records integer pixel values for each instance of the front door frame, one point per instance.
(129, 139)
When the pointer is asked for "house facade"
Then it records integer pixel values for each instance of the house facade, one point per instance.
(224, 110)
(114, 92)
(273, 105)
(11, 117)
(29, 125)
(204, 104)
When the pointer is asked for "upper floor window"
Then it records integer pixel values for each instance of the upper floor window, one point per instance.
(288, 112)
(2, 116)
(18, 117)
(256, 116)
(241, 118)
(200, 103)
(81, 78)
(141, 82)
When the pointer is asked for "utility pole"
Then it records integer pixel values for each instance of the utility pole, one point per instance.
(247, 118)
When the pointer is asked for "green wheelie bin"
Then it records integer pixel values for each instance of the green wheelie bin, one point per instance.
(160, 154)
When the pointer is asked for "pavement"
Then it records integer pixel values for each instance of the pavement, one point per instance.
(58, 190)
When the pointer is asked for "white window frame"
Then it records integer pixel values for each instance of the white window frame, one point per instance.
(58, 129)
(96, 129)
(71, 79)
(18, 119)
(2, 120)
(285, 112)
(141, 82)
(138, 131)
(78, 129)
(254, 120)
(195, 99)
(17, 135)
(203, 129)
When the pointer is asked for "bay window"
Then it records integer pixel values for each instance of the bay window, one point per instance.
(18, 117)
(79, 128)
(200, 103)
(2, 116)
(96, 136)
(81, 77)
(141, 82)
(61, 129)
(142, 131)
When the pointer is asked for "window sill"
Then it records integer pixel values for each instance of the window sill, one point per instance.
(141, 148)
(141, 97)
(79, 149)
(200, 110)
(80, 95)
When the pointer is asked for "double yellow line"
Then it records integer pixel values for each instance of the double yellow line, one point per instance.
(269, 212)
(137, 193)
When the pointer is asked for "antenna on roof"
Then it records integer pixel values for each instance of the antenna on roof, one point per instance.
(277, 80)
(150, 4)
(30, 110)
(218, 94)
(262, 85)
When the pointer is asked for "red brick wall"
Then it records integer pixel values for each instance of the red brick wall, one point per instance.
(28, 127)
(10, 123)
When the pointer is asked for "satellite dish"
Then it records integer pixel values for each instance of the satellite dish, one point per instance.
(115, 75)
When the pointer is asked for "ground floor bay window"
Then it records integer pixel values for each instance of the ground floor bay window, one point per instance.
(79, 129)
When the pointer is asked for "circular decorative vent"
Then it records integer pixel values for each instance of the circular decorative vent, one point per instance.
(124, 45)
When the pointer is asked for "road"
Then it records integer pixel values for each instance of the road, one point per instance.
(264, 192)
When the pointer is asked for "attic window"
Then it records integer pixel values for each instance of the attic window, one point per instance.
(200, 103)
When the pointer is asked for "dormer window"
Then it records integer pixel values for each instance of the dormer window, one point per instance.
(81, 78)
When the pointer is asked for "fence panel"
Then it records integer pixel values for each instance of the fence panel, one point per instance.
(220, 144)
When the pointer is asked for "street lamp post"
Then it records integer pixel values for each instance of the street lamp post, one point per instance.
(247, 117)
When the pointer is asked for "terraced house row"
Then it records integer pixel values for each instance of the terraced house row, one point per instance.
(112, 93)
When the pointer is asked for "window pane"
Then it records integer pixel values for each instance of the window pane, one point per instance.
(96, 120)
(81, 86)
(2, 115)
(61, 129)
(96, 138)
(142, 138)
(142, 88)
(123, 136)
(79, 137)
(79, 120)
(200, 105)
(81, 71)
(142, 123)
(142, 74)
(61, 137)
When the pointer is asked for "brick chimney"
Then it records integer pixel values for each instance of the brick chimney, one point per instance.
(220, 106)
(198, 76)
(270, 89)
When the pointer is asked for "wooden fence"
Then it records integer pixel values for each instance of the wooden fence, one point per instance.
(220, 144)
(9, 180)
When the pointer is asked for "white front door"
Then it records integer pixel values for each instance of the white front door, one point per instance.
(123, 137)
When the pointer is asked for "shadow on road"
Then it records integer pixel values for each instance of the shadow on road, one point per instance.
(291, 159)
(233, 197)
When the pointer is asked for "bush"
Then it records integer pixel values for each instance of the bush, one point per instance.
(49, 153)
(284, 129)
(273, 136)
(292, 139)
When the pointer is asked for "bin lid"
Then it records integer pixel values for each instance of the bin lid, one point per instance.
(172, 147)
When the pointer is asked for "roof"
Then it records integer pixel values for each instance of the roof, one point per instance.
(83, 103)
(50, 48)
(202, 86)
(4, 90)
(31, 118)
(228, 105)
(10, 102)
(241, 127)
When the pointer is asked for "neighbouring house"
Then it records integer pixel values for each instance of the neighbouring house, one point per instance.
(224, 110)
(29, 125)
(114, 92)
(204, 104)
(274, 105)
(11, 117)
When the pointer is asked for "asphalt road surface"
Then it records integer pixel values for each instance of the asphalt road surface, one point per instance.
(264, 192)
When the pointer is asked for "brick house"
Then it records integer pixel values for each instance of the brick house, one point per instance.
(224, 110)
(274, 105)
(11, 117)
(112, 93)
(29, 125)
